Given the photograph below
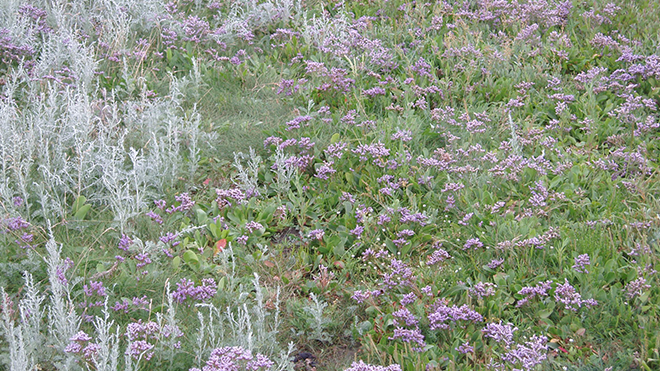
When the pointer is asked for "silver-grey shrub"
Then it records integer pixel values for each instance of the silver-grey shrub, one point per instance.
(63, 320)
(25, 339)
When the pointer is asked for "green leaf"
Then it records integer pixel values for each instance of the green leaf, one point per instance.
(201, 216)
(78, 203)
(190, 257)
(82, 212)
(545, 313)
(176, 262)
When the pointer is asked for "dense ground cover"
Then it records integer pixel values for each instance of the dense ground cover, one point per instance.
(363, 185)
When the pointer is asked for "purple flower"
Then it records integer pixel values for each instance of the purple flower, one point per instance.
(405, 233)
(403, 135)
(422, 68)
(374, 91)
(73, 348)
(297, 122)
(500, 333)
(482, 290)
(572, 300)
(155, 217)
(409, 336)
(465, 348)
(160, 204)
(121, 306)
(253, 226)
(124, 242)
(464, 221)
(361, 366)
(636, 287)
(185, 203)
(357, 231)
(360, 296)
(406, 316)
(324, 170)
(581, 261)
(224, 195)
(94, 288)
(143, 259)
(336, 150)
(453, 187)
(140, 348)
(316, 234)
(495, 263)
(541, 289)
(442, 315)
(236, 358)
(186, 289)
(81, 336)
(438, 256)
(18, 201)
(530, 355)
(399, 275)
(14, 224)
(169, 237)
(473, 243)
(427, 290)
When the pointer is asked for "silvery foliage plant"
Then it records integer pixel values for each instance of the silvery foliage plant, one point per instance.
(60, 141)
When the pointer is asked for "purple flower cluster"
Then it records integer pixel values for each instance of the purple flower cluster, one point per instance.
(529, 355)
(360, 296)
(414, 336)
(186, 289)
(403, 135)
(541, 289)
(572, 300)
(482, 289)
(185, 203)
(316, 234)
(581, 262)
(139, 335)
(326, 169)
(406, 316)
(465, 348)
(336, 150)
(377, 151)
(155, 217)
(62, 269)
(442, 316)
(473, 243)
(81, 344)
(16, 223)
(235, 359)
(502, 334)
(137, 302)
(495, 263)
(399, 275)
(253, 226)
(438, 256)
(636, 287)
(95, 288)
(361, 366)
(297, 122)
(124, 242)
(227, 196)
